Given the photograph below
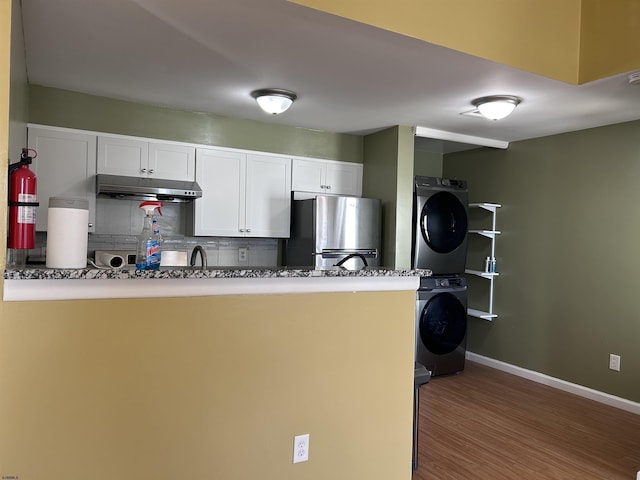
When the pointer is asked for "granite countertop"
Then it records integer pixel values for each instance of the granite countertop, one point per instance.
(211, 272)
(96, 283)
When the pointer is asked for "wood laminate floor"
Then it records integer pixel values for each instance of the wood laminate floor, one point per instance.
(485, 424)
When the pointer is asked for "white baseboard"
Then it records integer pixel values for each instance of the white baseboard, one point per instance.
(574, 388)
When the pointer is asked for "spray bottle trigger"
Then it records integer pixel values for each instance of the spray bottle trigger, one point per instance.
(150, 206)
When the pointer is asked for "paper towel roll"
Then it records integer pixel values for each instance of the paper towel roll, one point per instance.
(67, 233)
(110, 260)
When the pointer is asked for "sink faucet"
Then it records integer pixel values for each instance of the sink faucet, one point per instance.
(203, 256)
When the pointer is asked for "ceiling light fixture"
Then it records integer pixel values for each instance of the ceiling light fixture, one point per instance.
(634, 78)
(496, 107)
(274, 100)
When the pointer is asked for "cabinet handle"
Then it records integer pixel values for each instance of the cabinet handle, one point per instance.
(323, 186)
(91, 225)
(328, 187)
(143, 170)
(152, 171)
(242, 229)
(248, 230)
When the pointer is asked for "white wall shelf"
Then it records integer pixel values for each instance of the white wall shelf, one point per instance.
(491, 234)
(486, 233)
(480, 314)
(482, 274)
(492, 207)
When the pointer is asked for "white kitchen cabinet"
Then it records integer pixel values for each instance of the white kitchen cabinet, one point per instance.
(65, 166)
(243, 194)
(268, 196)
(133, 157)
(327, 177)
(490, 234)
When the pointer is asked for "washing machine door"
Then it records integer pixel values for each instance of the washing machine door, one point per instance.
(443, 323)
(443, 222)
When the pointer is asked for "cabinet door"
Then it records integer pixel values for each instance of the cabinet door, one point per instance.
(327, 177)
(344, 179)
(220, 210)
(172, 161)
(65, 167)
(123, 156)
(268, 196)
(308, 176)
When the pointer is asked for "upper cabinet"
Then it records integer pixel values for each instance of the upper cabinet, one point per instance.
(133, 157)
(244, 194)
(65, 167)
(268, 196)
(327, 177)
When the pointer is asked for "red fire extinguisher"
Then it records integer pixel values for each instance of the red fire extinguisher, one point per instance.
(22, 203)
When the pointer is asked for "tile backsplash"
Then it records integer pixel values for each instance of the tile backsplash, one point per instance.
(124, 217)
(119, 222)
(222, 251)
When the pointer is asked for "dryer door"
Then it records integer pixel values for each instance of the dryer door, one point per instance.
(443, 222)
(443, 323)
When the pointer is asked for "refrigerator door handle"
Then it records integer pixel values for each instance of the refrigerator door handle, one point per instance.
(339, 253)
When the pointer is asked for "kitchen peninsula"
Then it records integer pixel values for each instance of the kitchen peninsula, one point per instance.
(167, 387)
(93, 283)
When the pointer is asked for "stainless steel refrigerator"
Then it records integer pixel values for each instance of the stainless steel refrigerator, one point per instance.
(335, 231)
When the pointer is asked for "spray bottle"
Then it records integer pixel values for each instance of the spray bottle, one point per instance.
(150, 241)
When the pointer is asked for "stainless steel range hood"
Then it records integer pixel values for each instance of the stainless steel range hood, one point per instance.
(134, 188)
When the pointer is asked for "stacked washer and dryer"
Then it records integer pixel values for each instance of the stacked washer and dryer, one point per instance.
(440, 219)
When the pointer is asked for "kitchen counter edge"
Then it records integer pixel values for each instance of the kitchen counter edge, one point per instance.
(32, 284)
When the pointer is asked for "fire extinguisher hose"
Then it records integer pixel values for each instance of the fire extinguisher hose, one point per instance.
(24, 204)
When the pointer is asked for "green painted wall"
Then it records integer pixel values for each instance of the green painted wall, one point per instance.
(568, 255)
(63, 108)
(388, 174)
(404, 198)
(379, 181)
(427, 163)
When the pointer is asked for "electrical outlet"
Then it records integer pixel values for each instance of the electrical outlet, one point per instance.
(242, 254)
(614, 362)
(301, 448)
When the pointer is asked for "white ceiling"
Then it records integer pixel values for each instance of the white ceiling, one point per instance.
(208, 55)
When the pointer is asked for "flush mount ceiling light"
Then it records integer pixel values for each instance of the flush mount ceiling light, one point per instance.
(274, 100)
(634, 78)
(496, 107)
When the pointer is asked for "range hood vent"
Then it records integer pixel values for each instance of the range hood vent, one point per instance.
(134, 188)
